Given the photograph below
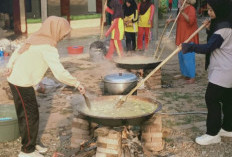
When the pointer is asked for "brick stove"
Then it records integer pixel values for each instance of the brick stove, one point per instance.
(125, 141)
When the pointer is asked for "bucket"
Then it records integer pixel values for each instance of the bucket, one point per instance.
(8, 123)
(6, 54)
(75, 49)
(1, 52)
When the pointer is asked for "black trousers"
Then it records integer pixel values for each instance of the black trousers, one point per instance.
(130, 41)
(218, 100)
(28, 116)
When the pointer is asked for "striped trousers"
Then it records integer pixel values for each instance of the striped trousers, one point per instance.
(28, 116)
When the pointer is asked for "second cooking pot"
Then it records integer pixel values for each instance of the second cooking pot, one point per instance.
(119, 83)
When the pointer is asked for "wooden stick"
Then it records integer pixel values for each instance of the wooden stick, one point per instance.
(87, 101)
(171, 30)
(165, 27)
(103, 20)
(124, 98)
(176, 18)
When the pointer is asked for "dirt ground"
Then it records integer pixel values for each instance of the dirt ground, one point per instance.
(183, 106)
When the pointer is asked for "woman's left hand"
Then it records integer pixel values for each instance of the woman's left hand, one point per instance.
(180, 46)
(185, 48)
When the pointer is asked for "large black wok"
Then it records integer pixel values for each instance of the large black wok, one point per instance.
(136, 62)
(119, 121)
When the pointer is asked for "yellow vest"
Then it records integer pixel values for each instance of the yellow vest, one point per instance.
(132, 27)
(143, 19)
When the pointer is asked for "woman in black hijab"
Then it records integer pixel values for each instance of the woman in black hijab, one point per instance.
(218, 96)
(131, 24)
(223, 20)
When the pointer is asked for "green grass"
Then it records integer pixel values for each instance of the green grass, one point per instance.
(176, 96)
(169, 123)
(89, 16)
(72, 17)
(195, 129)
(34, 20)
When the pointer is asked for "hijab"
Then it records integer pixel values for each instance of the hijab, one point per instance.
(222, 10)
(130, 10)
(116, 5)
(51, 32)
(144, 6)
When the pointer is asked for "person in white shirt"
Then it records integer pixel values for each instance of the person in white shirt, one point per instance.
(27, 67)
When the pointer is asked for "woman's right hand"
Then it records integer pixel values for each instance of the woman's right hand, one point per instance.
(81, 89)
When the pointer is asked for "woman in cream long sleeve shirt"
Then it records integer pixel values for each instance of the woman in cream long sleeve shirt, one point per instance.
(27, 67)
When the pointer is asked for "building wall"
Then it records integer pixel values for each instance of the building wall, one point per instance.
(35, 9)
(53, 7)
(77, 7)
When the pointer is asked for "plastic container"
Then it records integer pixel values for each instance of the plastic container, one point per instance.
(1, 52)
(8, 123)
(75, 49)
(6, 54)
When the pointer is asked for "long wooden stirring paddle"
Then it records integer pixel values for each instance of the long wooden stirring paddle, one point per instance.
(170, 32)
(103, 20)
(87, 101)
(161, 38)
(124, 98)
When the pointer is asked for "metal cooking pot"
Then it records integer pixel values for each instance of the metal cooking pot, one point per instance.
(119, 121)
(144, 63)
(120, 83)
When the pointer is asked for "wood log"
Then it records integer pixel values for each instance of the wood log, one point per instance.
(126, 151)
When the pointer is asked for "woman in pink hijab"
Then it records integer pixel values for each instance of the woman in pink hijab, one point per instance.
(26, 68)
